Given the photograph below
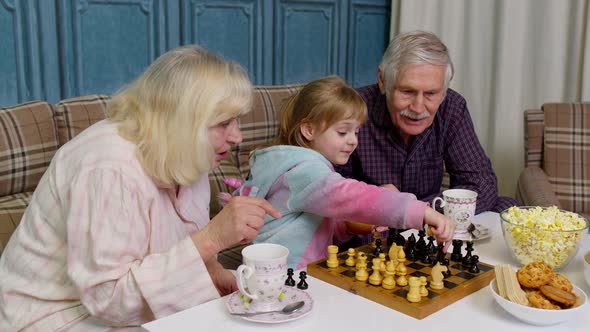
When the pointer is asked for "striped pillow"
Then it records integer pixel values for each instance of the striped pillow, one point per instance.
(28, 141)
(76, 114)
(566, 153)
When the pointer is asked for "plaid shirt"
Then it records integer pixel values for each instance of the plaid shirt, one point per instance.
(382, 157)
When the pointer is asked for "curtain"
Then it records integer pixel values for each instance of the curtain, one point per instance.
(509, 56)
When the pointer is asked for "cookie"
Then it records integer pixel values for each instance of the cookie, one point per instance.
(566, 299)
(534, 275)
(561, 282)
(537, 300)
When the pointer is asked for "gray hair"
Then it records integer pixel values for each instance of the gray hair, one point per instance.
(414, 47)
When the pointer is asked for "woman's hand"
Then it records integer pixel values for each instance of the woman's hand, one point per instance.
(390, 187)
(442, 227)
(238, 222)
(224, 280)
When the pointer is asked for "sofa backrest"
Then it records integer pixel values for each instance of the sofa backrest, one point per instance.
(74, 115)
(28, 141)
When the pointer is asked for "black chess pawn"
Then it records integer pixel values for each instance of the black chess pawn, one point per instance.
(474, 268)
(467, 258)
(446, 263)
(456, 255)
(411, 243)
(411, 254)
(378, 250)
(426, 256)
(290, 281)
(420, 244)
(302, 283)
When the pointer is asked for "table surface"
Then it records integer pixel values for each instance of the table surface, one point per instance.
(338, 310)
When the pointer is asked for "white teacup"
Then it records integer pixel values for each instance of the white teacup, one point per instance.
(262, 276)
(459, 206)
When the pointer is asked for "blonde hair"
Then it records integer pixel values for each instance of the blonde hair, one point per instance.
(167, 111)
(321, 103)
(415, 47)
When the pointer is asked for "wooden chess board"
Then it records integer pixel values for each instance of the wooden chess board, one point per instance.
(458, 285)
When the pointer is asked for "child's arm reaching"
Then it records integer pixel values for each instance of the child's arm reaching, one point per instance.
(442, 227)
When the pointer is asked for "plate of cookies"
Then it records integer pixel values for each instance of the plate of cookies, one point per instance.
(536, 294)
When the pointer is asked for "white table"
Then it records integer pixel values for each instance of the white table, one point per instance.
(338, 310)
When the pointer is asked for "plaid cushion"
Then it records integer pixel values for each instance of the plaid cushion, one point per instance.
(226, 169)
(534, 123)
(566, 153)
(28, 141)
(76, 114)
(12, 208)
(260, 126)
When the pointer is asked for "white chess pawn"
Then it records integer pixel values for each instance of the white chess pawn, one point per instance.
(350, 260)
(423, 290)
(376, 278)
(361, 273)
(389, 281)
(402, 271)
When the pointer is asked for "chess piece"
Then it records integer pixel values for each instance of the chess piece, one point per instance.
(423, 290)
(361, 273)
(399, 239)
(474, 268)
(414, 291)
(411, 254)
(426, 259)
(421, 244)
(437, 276)
(467, 258)
(411, 243)
(391, 235)
(302, 283)
(431, 244)
(401, 255)
(446, 263)
(393, 252)
(389, 281)
(401, 271)
(332, 256)
(376, 278)
(376, 236)
(440, 255)
(290, 281)
(382, 264)
(378, 248)
(350, 260)
(456, 255)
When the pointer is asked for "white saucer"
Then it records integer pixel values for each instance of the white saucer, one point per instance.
(234, 304)
(481, 232)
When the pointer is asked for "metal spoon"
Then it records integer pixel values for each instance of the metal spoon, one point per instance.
(288, 309)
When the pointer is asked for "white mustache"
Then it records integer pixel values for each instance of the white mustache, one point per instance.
(414, 115)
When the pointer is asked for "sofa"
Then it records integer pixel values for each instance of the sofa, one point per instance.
(557, 159)
(32, 132)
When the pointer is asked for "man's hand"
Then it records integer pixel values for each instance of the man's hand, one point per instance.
(390, 186)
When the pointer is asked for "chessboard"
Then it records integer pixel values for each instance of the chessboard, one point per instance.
(458, 284)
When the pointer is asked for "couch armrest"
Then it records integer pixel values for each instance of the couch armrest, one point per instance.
(533, 188)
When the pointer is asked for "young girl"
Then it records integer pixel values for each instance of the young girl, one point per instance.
(318, 128)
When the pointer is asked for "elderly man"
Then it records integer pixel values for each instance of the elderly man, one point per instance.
(417, 124)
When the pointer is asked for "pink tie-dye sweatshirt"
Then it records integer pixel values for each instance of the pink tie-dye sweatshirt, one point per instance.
(314, 201)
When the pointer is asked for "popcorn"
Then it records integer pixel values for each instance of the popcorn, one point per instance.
(542, 234)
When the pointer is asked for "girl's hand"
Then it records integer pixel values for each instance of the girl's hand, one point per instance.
(442, 227)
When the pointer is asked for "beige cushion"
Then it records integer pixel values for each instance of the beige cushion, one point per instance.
(76, 114)
(566, 153)
(28, 141)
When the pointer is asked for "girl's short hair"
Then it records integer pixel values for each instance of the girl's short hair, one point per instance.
(321, 103)
(167, 111)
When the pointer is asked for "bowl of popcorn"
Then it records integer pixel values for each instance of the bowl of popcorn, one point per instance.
(546, 234)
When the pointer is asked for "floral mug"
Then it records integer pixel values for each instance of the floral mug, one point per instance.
(459, 206)
(262, 275)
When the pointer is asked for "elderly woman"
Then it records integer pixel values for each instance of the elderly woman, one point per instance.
(117, 232)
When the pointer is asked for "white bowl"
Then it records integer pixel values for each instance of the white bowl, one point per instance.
(537, 316)
(586, 262)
